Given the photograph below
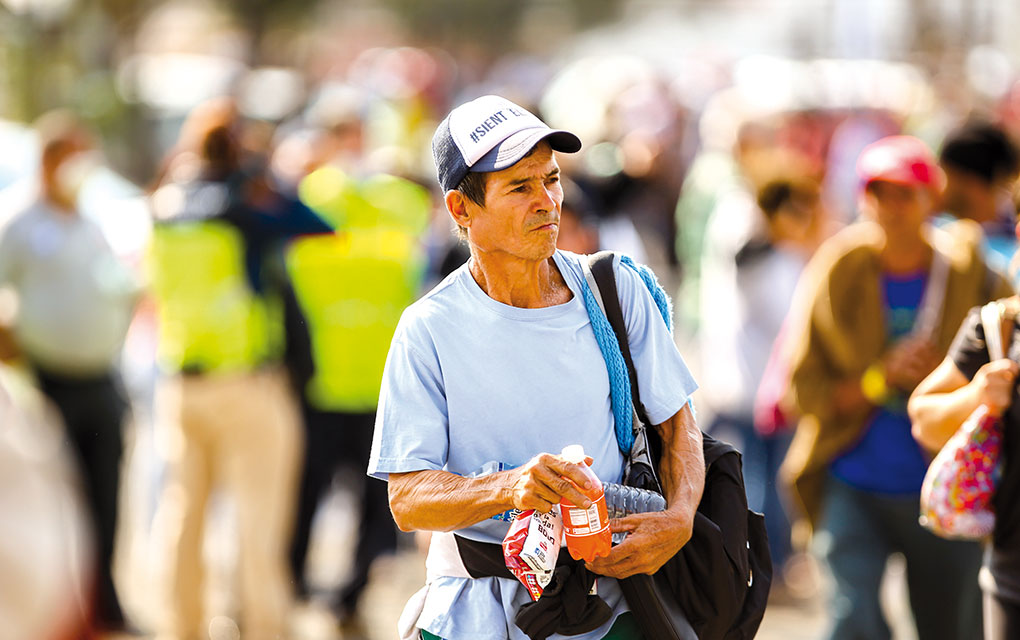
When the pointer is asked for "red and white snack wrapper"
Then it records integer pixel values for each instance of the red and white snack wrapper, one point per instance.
(530, 549)
(542, 546)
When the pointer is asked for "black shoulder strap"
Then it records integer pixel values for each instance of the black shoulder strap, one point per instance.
(601, 264)
(720, 552)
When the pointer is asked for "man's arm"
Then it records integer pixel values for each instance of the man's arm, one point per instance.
(434, 500)
(654, 538)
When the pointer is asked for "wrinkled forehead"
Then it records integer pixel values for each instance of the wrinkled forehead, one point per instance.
(538, 162)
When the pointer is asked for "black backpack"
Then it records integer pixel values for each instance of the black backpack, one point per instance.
(716, 587)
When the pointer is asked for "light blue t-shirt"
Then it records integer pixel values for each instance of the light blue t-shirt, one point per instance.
(470, 381)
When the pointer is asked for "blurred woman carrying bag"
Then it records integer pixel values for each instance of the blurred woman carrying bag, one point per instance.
(975, 384)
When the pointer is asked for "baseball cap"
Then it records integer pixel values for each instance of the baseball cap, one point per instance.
(900, 159)
(490, 133)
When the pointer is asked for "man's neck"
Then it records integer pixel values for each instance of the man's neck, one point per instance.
(906, 256)
(520, 283)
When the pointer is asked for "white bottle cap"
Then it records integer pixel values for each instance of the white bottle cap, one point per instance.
(573, 453)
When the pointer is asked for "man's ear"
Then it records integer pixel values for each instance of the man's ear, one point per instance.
(457, 205)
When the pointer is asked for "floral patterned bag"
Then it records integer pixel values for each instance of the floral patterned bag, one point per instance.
(956, 496)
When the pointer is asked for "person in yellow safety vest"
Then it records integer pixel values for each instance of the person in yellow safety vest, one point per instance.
(211, 320)
(225, 416)
(351, 288)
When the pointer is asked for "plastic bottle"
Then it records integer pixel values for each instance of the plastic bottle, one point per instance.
(586, 530)
(622, 500)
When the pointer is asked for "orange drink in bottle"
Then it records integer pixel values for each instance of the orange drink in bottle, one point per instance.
(586, 530)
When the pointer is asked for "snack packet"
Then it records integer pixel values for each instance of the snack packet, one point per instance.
(531, 548)
(542, 545)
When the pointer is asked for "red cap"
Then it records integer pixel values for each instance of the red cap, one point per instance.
(901, 159)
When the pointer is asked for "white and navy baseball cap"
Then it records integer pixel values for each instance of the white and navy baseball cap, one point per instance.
(489, 134)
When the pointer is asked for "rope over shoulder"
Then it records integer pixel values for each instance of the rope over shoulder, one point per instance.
(619, 380)
(662, 300)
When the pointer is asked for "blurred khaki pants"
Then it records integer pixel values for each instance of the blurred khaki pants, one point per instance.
(238, 434)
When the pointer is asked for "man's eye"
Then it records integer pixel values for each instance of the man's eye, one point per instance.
(554, 179)
(519, 189)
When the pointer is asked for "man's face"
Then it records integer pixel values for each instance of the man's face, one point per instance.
(521, 215)
(899, 209)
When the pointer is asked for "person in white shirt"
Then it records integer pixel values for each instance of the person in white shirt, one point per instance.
(75, 301)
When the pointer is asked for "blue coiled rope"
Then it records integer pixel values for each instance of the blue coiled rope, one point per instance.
(619, 380)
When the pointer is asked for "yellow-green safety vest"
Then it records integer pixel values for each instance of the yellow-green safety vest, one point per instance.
(210, 318)
(353, 285)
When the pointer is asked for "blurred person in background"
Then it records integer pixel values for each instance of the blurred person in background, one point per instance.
(351, 288)
(225, 416)
(981, 164)
(884, 299)
(754, 258)
(645, 127)
(841, 188)
(940, 404)
(45, 561)
(579, 225)
(734, 138)
(75, 304)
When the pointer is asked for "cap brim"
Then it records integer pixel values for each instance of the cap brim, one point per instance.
(907, 179)
(515, 147)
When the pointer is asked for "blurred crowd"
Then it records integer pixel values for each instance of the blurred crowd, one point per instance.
(217, 335)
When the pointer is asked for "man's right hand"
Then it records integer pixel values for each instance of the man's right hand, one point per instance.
(993, 384)
(541, 482)
(437, 500)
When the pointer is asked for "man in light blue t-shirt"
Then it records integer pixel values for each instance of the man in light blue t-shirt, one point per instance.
(497, 368)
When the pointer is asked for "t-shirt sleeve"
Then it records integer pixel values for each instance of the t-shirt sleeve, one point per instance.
(411, 427)
(664, 381)
(968, 350)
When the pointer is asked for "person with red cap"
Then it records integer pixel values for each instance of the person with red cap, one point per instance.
(884, 299)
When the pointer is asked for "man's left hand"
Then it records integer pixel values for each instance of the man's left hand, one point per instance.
(652, 539)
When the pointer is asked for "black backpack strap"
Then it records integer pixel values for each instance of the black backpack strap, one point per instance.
(717, 586)
(601, 265)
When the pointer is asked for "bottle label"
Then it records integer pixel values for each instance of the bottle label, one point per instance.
(579, 521)
(586, 521)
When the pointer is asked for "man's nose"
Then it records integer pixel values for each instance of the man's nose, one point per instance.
(545, 199)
